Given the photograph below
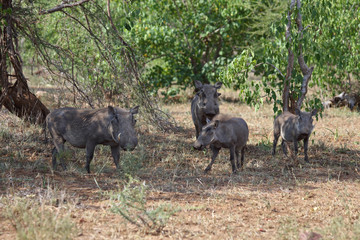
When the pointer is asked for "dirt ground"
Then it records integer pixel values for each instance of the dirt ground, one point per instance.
(270, 199)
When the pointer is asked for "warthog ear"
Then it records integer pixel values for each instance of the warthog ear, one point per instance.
(314, 112)
(112, 110)
(134, 110)
(198, 85)
(216, 124)
(218, 85)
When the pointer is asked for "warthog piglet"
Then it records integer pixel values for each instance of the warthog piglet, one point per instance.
(225, 132)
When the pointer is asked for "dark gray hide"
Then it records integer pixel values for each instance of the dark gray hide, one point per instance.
(86, 128)
(224, 132)
(205, 104)
(293, 128)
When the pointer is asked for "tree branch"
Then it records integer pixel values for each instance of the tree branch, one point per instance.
(290, 60)
(130, 54)
(304, 86)
(259, 64)
(306, 71)
(62, 6)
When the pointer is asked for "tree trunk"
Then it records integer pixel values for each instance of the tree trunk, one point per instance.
(16, 97)
(306, 71)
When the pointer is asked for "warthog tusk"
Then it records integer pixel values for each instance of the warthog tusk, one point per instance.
(118, 137)
(208, 120)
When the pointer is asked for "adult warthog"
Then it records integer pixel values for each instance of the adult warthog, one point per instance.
(205, 104)
(225, 132)
(86, 128)
(293, 128)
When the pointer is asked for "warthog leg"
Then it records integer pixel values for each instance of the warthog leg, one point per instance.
(284, 147)
(306, 143)
(90, 148)
(232, 159)
(55, 154)
(215, 152)
(115, 152)
(239, 164)
(58, 152)
(276, 137)
(296, 150)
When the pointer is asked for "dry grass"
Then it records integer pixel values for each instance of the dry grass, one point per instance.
(265, 201)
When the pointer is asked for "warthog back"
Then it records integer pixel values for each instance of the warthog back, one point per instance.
(86, 128)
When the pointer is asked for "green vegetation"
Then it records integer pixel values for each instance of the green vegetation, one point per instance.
(328, 41)
(162, 47)
(35, 220)
(178, 42)
(184, 41)
(131, 204)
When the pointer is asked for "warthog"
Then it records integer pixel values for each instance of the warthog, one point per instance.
(293, 128)
(224, 132)
(86, 128)
(353, 99)
(343, 99)
(204, 105)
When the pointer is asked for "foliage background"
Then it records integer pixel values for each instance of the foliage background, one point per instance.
(178, 42)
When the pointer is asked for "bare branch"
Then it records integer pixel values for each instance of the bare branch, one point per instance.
(62, 6)
(157, 116)
(128, 74)
(306, 71)
(290, 60)
(304, 86)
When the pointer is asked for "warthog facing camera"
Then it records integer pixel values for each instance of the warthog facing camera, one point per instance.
(86, 128)
(293, 128)
(224, 132)
(205, 104)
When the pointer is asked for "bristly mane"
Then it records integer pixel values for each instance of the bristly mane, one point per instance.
(222, 117)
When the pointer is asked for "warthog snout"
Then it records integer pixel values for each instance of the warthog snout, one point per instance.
(210, 116)
(198, 146)
(131, 145)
